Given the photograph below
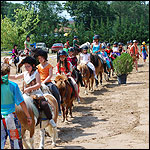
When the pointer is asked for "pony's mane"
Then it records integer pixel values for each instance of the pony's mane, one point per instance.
(94, 60)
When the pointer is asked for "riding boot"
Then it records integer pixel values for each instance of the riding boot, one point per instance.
(80, 79)
(104, 64)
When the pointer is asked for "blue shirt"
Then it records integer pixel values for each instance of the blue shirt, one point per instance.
(10, 95)
(96, 48)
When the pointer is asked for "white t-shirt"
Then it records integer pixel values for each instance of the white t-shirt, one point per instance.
(84, 58)
(115, 49)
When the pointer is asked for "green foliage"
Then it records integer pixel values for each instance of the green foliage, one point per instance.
(123, 64)
(16, 32)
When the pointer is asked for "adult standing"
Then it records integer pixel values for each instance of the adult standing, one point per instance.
(134, 52)
(27, 43)
(11, 95)
(144, 51)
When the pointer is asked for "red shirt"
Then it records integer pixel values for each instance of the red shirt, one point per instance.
(73, 60)
(108, 51)
(63, 69)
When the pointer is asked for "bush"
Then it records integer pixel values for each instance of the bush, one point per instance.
(123, 64)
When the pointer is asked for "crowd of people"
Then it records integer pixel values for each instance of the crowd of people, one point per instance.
(35, 76)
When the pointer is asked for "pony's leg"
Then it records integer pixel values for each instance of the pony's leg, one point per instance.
(101, 78)
(66, 113)
(71, 110)
(24, 139)
(42, 132)
(31, 140)
(54, 136)
(92, 81)
(63, 110)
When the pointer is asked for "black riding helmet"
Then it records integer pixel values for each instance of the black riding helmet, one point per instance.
(120, 43)
(41, 53)
(108, 44)
(96, 37)
(85, 47)
(30, 60)
(75, 37)
(62, 52)
(115, 43)
(71, 49)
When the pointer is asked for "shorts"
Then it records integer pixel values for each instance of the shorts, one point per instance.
(10, 126)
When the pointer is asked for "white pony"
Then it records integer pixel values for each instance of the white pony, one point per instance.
(34, 115)
(87, 44)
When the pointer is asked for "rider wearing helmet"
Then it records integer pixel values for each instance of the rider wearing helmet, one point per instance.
(115, 49)
(45, 70)
(65, 67)
(32, 84)
(96, 48)
(85, 59)
(65, 47)
(76, 73)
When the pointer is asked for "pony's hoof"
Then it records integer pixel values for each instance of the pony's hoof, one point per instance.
(41, 147)
(53, 144)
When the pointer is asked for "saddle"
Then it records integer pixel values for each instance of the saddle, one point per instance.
(40, 115)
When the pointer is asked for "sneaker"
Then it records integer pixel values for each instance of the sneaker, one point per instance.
(95, 77)
(52, 122)
(78, 99)
(59, 113)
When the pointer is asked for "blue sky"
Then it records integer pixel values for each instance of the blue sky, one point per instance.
(65, 14)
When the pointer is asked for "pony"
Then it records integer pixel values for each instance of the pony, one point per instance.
(95, 60)
(8, 60)
(67, 94)
(87, 76)
(34, 115)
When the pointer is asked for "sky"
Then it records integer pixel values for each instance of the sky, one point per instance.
(65, 14)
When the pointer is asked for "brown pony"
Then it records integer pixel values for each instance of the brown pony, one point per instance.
(87, 77)
(45, 123)
(95, 60)
(67, 94)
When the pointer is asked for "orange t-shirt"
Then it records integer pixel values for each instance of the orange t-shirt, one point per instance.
(44, 72)
(136, 50)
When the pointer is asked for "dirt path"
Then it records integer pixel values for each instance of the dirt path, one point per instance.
(111, 117)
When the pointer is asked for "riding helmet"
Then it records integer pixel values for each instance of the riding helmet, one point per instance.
(120, 43)
(41, 53)
(108, 44)
(75, 37)
(85, 47)
(71, 49)
(96, 37)
(62, 52)
(30, 60)
(115, 43)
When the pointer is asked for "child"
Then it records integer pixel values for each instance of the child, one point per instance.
(96, 48)
(85, 59)
(65, 67)
(144, 51)
(115, 49)
(15, 56)
(11, 95)
(65, 47)
(32, 85)
(106, 58)
(46, 72)
(73, 59)
(27, 46)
